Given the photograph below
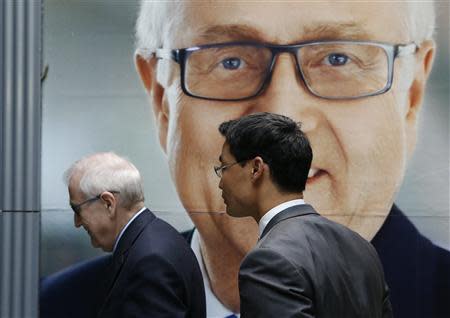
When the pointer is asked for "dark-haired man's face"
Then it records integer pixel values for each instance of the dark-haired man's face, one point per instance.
(235, 185)
(360, 146)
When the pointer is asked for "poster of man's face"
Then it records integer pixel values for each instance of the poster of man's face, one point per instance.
(367, 80)
(361, 145)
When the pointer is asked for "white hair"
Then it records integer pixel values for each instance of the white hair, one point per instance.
(421, 20)
(155, 22)
(107, 171)
(157, 19)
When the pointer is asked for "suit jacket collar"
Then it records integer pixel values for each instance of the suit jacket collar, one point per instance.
(127, 240)
(294, 211)
(132, 232)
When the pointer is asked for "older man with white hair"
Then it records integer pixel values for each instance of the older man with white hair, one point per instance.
(152, 272)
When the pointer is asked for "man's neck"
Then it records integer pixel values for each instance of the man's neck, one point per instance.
(124, 216)
(223, 249)
(222, 265)
(272, 201)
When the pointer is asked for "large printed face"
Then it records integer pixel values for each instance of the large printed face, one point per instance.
(360, 146)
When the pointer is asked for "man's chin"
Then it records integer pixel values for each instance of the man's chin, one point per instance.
(234, 213)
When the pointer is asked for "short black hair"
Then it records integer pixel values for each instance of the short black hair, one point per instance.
(278, 140)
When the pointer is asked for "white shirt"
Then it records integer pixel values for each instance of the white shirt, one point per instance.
(214, 308)
(274, 211)
(125, 227)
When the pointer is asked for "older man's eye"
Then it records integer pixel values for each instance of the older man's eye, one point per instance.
(232, 63)
(336, 59)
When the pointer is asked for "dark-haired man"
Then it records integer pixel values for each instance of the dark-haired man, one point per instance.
(303, 265)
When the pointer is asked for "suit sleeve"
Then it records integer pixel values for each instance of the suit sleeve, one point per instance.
(155, 289)
(270, 286)
(61, 292)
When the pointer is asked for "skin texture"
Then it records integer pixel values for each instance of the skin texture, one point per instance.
(360, 147)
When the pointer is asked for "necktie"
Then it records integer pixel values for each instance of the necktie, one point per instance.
(231, 316)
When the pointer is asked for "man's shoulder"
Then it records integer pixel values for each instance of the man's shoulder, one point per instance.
(81, 281)
(398, 234)
(306, 238)
(416, 270)
(308, 225)
(159, 236)
(160, 243)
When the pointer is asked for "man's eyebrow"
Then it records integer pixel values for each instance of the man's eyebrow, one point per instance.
(336, 31)
(352, 30)
(230, 32)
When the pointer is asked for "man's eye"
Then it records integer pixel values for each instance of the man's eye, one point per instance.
(337, 59)
(231, 63)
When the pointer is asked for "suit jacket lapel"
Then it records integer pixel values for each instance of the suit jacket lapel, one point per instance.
(126, 242)
(293, 211)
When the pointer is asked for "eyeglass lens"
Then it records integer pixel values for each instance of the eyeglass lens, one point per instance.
(333, 70)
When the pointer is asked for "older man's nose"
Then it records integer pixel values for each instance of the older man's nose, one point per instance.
(288, 95)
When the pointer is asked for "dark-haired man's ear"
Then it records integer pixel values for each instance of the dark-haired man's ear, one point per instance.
(257, 167)
(147, 69)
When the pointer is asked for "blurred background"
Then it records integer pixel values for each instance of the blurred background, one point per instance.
(93, 101)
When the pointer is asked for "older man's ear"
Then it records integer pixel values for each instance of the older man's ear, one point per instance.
(424, 62)
(147, 69)
(110, 202)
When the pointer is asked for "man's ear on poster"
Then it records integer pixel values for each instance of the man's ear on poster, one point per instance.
(147, 68)
(424, 59)
(423, 64)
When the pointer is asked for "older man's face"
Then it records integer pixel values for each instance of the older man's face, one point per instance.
(93, 217)
(360, 146)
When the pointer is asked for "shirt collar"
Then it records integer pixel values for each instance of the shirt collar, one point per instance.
(125, 227)
(214, 308)
(275, 210)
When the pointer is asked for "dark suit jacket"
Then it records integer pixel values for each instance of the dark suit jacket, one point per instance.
(305, 265)
(416, 271)
(76, 291)
(152, 273)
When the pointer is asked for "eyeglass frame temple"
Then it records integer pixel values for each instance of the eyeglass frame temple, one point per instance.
(97, 197)
(160, 53)
(405, 49)
(76, 208)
